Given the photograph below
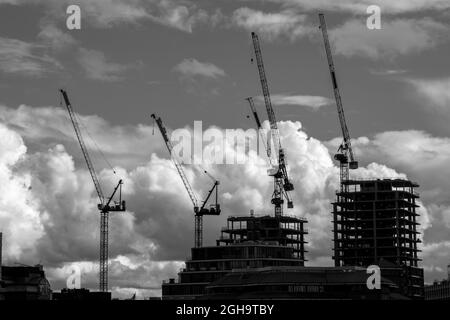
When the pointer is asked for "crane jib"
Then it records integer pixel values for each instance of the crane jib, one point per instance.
(333, 76)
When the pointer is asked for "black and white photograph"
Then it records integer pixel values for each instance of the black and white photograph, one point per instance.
(218, 157)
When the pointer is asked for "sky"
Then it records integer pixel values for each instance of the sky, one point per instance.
(190, 61)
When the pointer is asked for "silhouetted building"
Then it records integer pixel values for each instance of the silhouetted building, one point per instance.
(374, 223)
(24, 283)
(301, 283)
(246, 242)
(284, 230)
(439, 290)
(81, 294)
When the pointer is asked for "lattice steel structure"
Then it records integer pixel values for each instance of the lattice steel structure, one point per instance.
(376, 220)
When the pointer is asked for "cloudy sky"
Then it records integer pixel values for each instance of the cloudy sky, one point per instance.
(191, 60)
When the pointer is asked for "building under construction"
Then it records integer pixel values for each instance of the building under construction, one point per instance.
(248, 242)
(282, 230)
(374, 223)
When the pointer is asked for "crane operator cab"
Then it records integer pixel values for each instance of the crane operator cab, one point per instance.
(115, 206)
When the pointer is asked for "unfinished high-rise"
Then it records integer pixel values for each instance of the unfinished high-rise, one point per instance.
(375, 223)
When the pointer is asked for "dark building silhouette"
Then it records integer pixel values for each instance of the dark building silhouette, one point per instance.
(439, 290)
(374, 223)
(283, 230)
(246, 242)
(263, 257)
(81, 294)
(24, 283)
(345, 283)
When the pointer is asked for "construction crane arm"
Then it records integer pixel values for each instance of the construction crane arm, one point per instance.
(266, 94)
(287, 185)
(347, 146)
(180, 170)
(83, 147)
(259, 126)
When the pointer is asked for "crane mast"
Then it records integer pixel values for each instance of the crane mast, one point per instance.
(282, 184)
(103, 207)
(345, 154)
(199, 212)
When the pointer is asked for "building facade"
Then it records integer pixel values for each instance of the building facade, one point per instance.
(24, 283)
(438, 290)
(318, 283)
(81, 294)
(247, 242)
(375, 223)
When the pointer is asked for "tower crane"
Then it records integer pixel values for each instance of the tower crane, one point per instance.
(105, 206)
(199, 211)
(345, 154)
(282, 184)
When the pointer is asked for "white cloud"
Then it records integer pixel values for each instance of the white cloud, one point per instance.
(192, 67)
(425, 158)
(55, 38)
(435, 92)
(397, 37)
(19, 210)
(271, 25)
(181, 15)
(387, 72)
(40, 126)
(313, 102)
(97, 67)
(24, 58)
(149, 241)
(360, 6)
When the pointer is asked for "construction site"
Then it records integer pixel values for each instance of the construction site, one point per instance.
(265, 255)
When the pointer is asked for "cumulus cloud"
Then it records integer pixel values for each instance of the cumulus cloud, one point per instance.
(397, 37)
(192, 67)
(25, 58)
(313, 102)
(40, 126)
(360, 6)
(182, 16)
(19, 212)
(425, 158)
(434, 92)
(52, 199)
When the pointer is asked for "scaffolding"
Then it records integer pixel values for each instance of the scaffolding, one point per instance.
(279, 230)
(375, 220)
